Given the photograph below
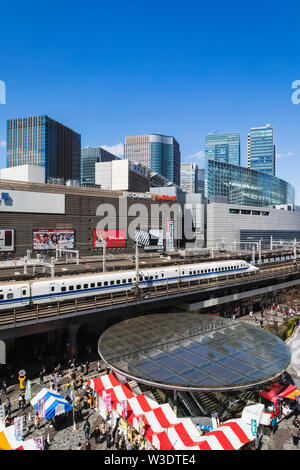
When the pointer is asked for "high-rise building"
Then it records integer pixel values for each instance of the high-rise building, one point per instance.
(159, 153)
(261, 150)
(222, 148)
(40, 140)
(189, 177)
(89, 157)
(201, 182)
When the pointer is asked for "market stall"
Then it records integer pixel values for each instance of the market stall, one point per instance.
(8, 441)
(50, 404)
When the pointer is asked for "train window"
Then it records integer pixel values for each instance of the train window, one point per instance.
(124, 281)
(71, 287)
(130, 280)
(106, 283)
(85, 286)
(78, 287)
(208, 270)
(24, 292)
(194, 272)
(134, 279)
(1, 297)
(93, 284)
(112, 283)
(163, 275)
(151, 277)
(99, 284)
(198, 271)
(10, 296)
(52, 288)
(156, 276)
(205, 270)
(191, 272)
(118, 281)
(63, 289)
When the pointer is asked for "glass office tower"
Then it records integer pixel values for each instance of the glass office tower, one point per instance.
(159, 153)
(261, 150)
(222, 148)
(42, 141)
(246, 186)
(89, 157)
(189, 177)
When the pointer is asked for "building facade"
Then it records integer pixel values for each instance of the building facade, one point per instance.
(246, 186)
(42, 141)
(222, 148)
(89, 157)
(122, 175)
(261, 150)
(189, 177)
(159, 153)
(230, 224)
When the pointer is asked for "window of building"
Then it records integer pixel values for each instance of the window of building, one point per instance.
(255, 212)
(245, 212)
(234, 211)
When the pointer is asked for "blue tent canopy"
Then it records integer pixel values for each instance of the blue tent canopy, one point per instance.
(55, 404)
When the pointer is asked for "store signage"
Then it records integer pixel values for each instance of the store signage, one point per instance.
(164, 197)
(138, 195)
(113, 238)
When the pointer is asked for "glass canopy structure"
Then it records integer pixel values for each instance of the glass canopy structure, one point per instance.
(193, 352)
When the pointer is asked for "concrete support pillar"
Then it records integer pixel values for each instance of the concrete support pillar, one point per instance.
(72, 339)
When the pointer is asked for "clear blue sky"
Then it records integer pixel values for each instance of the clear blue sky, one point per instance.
(111, 69)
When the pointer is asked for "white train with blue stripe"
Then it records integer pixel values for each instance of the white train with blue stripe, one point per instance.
(19, 294)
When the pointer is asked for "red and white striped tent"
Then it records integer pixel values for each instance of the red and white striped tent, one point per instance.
(162, 427)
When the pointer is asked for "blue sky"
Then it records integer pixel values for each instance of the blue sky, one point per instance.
(111, 69)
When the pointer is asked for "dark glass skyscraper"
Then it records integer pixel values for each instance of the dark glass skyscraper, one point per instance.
(261, 150)
(89, 157)
(40, 140)
(158, 152)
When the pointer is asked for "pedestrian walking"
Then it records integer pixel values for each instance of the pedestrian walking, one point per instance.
(97, 435)
(87, 446)
(36, 421)
(87, 366)
(274, 424)
(79, 446)
(86, 429)
(108, 438)
(7, 406)
(99, 366)
(296, 431)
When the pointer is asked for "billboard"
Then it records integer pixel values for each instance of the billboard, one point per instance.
(170, 235)
(113, 238)
(6, 240)
(51, 239)
(151, 240)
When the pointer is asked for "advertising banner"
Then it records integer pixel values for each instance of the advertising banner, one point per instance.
(2, 416)
(28, 391)
(39, 442)
(6, 240)
(107, 400)
(113, 238)
(52, 239)
(18, 425)
(151, 240)
(156, 240)
(170, 235)
(124, 408)
(41, 408)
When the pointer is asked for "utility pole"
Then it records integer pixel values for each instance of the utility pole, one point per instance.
(259, 252)
(253, 254)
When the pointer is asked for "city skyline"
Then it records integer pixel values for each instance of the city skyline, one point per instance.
(95, 85)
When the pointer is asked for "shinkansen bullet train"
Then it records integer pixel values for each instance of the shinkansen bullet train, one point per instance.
(19, 294)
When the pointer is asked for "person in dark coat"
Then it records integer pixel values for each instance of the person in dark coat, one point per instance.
(97, 435)
(108, 438)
